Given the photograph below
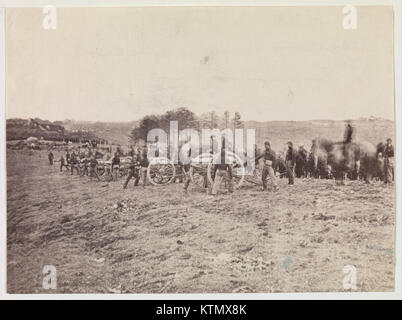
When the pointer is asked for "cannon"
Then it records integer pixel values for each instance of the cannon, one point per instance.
(162, 171)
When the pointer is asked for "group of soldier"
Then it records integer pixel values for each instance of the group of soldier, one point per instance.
(84, 162)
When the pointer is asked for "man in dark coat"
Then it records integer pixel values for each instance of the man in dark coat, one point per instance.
(388, 162)
(290, 163)
(134, 172)
(50, 157)
(269, 158)
(93, 163)
(74, 163)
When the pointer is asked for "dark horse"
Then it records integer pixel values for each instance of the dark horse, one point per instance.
(371, 161)
(343, 158)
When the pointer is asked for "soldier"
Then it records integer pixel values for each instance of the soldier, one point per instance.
(144, 167)
(347, 139)
(388, 162)
(62, 163)
(84, 170)
(115, 165)
(290, 163)
(348, 135)
(269, 158)
(74, 163)
(135, 167)
(50, 157)
(68, 156)
(188, 172)
(223, 171)
(92, 168)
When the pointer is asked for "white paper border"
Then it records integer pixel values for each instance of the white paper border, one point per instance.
(397, 6)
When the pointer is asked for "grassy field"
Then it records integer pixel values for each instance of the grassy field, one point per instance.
(103, 239)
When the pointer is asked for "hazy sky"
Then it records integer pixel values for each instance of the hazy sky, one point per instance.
(268, 63)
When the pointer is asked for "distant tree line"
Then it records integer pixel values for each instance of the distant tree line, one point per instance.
(186, 119)
(20, 129)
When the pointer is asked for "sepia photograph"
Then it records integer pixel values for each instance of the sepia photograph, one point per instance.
(200, 149)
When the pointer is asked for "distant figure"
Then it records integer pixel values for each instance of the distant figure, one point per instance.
(135, 168)
(348, 135)
(269, 158)
(93, 163)
(223, 171)
(50, 157)
(74, 163)
(68, 157)
(290, 163)
(347, 140)
(144, 167)
(188, 172)
(256, 154)
(84, 170)
(313, 146)
(115, 165)
(62, 163)
(388, 161)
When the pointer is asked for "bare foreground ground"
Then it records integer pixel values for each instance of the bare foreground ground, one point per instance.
(159, 240)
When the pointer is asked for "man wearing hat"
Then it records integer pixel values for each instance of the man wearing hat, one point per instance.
(269, 157)
(290, 163)
(388, 161)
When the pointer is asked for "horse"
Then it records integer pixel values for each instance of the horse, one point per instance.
(343, 158)
(371, 161)
(317, 162)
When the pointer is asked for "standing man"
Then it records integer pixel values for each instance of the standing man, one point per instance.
(144, 167)
(269, 158)
(50, 157)
(135, 167)
(188, 172)
(84, 170)
(115, 165)
(223, 171)
(388, 162)
(74, 163)
(68, 160)
(93, 163)
(62, 163)
(290, 163)
(68, 156)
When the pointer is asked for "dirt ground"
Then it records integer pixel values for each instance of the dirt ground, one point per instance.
(103, 239)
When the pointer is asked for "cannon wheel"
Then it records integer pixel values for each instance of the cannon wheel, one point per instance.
(100, 170)
(238, 170)
(161, 171)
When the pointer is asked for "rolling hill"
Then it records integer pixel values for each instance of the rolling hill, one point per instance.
(277, 132)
